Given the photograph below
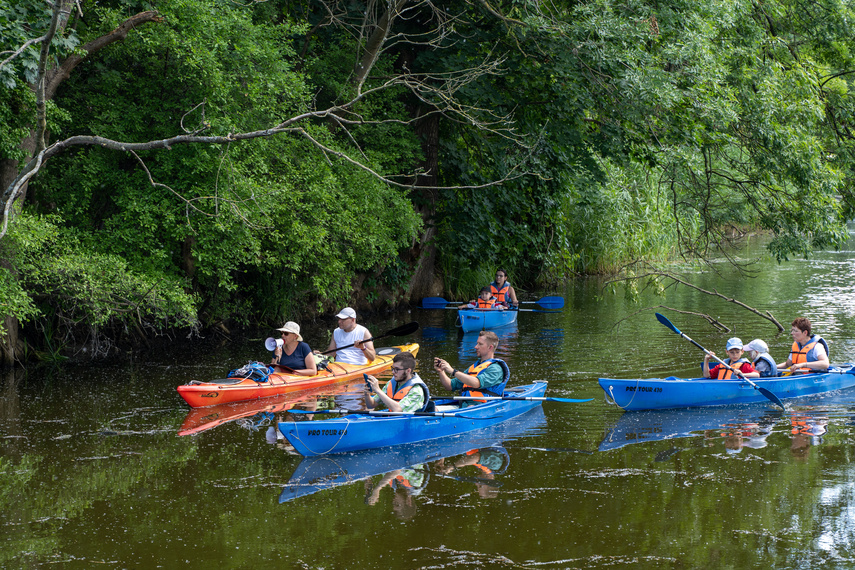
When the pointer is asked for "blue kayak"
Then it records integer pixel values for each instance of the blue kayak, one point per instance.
(663, 393)
(485, 319)
(356, 432)
(315, 474)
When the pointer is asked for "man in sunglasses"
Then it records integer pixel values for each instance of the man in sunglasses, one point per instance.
(405, 392)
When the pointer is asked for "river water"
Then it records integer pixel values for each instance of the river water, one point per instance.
(97, 470)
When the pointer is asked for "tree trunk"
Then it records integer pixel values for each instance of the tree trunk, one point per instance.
(425, 282)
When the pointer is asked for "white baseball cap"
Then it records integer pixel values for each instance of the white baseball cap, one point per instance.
(346, 313)
(757, 345)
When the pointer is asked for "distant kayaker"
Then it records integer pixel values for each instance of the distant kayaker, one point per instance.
(405, 392)
(735, 361)
(485, 300)
(487, 377)
(349, 333)
(758, 352)
(294, 353)
(809, 352)
(502, 290)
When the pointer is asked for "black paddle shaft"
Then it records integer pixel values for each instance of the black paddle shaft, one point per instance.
(402, 330)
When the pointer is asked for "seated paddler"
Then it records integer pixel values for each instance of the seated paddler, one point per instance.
(502, 290)
(485, 300)
(758, 351)
(488, 376)
(733, 362)
(809, 352)
(405, 392)
(293, 354)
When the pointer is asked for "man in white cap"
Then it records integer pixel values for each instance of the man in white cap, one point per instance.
(733, 362)
(758, 352)
(355, 340)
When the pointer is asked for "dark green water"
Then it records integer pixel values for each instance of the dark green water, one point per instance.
(95, 475)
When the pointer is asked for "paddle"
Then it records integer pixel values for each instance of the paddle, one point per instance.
(402, 330)
(662, 319)
(388, 413)
(545, 302)
(529, 399)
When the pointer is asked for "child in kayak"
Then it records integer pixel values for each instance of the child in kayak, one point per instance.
(485, 300)
(758, 352)
(734, 362)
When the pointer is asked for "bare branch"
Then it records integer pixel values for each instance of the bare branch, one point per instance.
(711, 320)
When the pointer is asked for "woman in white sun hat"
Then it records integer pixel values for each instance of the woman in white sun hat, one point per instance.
(294, 354)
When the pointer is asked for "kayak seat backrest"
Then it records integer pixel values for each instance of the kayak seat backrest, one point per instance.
(431, 407)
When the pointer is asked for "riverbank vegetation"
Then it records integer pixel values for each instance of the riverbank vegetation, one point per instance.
(208, 161)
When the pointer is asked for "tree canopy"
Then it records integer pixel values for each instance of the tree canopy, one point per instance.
(223, 161)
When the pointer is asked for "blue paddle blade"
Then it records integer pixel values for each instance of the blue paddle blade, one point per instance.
(434, 303)
(551, 302)
(664, 320)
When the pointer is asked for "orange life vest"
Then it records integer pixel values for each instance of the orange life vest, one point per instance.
(500, 293)
(497, 390)
(725, 373)
(800, 354)
(399, 393)
(482, 304)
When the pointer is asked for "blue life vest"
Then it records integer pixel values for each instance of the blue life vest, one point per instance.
(773, 367)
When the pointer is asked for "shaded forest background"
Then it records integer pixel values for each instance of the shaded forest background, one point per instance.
(185, 164)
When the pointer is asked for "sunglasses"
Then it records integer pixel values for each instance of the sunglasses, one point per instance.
(284, 333)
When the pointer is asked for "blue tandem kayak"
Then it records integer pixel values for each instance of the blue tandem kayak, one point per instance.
(357, 432)
(315, 474)
(663, 393)
(485, 319)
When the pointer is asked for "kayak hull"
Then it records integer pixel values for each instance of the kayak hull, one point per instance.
(485, 319)
(200, 394)
(358, 432)
(659, 393)
(315, 474)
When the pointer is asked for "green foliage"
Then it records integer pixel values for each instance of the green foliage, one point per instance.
(262, 228)
(59, 277)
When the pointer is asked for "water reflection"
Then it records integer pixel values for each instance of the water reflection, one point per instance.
(404, 467)
(738, 427)
(508, 341)
(255, 412)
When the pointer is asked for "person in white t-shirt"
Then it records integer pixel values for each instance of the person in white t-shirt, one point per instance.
(349, 333)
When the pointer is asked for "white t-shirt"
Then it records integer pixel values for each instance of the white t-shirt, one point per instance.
(352, 355)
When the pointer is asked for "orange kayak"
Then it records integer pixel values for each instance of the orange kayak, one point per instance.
(201, 419)
(199, 394)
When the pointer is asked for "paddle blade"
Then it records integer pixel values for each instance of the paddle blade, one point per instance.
(551, 302)
(772, 397)
(434, 303)
(569, 400)
(404, 330)
(664, 320)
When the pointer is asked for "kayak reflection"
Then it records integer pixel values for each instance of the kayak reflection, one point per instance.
(403, 467)
(735, 428)
(201, 419)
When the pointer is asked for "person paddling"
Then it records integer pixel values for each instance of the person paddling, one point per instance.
(405, 392)
(349, 333)
(488, 376)
(809, 352)
(733, 362)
